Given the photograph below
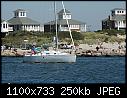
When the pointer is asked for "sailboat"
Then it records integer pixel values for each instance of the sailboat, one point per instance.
(50, 56)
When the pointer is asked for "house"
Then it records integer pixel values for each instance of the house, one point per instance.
(20, 21)
(117, 20)
(74, 25)
(5, 28)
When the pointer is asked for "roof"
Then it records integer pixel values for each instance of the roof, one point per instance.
(119, 17)
(105, 19)
(62, 11)
(2, 20)
(23, 20)
(117, 9)
(19, 10)
(5, 21)
(116, 17)
(63, 22)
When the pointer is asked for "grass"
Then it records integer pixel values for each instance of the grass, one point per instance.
(17, 38)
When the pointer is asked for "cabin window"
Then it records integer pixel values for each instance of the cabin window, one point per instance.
(47, 53)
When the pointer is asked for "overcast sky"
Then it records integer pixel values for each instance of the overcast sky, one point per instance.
(90, 12)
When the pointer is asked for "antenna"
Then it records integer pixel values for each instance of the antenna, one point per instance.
(68, 26)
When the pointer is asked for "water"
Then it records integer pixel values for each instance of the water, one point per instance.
(85, 70)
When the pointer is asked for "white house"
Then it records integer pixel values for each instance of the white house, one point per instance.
(74, 25)
(20, 21)
(117, 20)
(5, 28)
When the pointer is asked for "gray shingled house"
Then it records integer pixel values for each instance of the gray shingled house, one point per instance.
(21, 22)
(74, 25)
(117, 20)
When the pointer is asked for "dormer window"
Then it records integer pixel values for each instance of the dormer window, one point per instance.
(23, 13)
(61, 14)
(20, 13)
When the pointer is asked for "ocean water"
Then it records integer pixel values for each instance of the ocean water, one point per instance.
(85, 70)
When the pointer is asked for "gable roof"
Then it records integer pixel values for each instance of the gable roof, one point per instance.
(23, 20)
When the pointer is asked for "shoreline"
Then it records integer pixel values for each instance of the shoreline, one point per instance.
(80, 56)
(104, 50)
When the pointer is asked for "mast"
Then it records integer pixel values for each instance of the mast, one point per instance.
(68, 27)
(56, 38)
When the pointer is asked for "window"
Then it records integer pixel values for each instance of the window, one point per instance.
(17, 14)
(113, 12)
(104, 23)
(20, 13)
(6, 25)
(3, 25)
(68, 16)
(64, 26)
(60, 16)
(23, 14)
(117, 11)
(64, 16)
(122, 12)
(124, 21)
(119, 22)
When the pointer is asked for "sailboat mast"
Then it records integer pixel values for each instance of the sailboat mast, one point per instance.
(56, 38)
(68, 27)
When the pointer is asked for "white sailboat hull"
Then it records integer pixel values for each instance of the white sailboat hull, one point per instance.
(50, 58)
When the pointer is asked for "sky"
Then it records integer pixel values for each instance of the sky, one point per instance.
(89, 12)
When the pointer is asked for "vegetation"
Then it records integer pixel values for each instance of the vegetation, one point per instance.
(112, 32)
(76, 35)
(18, 38)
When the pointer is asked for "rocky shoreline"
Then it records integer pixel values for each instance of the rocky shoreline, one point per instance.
(78, 52)
(103, 49)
